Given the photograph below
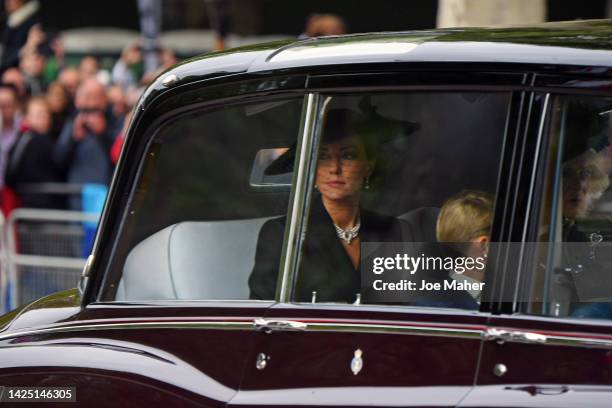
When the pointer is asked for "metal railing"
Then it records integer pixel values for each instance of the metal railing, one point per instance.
(3, 267)
(43, 252)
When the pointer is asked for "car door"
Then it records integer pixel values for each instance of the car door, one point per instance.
(312, 349)
(550, 345)
(168, 319)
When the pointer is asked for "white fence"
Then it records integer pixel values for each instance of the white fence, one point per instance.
(41, 252)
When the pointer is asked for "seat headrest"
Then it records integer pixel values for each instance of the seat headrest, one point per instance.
(420, 224)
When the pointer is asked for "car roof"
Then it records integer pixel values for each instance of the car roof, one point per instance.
(585, 44)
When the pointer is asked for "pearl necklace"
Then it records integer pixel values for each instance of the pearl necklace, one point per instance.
(347, 235)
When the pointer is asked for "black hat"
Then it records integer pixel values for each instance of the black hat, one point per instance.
(341, 123)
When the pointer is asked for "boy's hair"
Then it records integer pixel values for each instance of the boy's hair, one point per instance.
(465, 216)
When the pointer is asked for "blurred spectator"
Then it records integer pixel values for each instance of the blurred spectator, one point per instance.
(33, 67)
(84, 144)
(115, 151)
(166, 60)
(11, 124)
(22, 16)
(59, 105)
(129, 68)
(50, 47)
(131, 99)
(30, 158)
(70, 78)
(118, 101)
(324, 24)
(14, 77)
(88, 68)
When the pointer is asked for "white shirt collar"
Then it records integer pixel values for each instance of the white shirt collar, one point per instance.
(459, 277)
(23, 13)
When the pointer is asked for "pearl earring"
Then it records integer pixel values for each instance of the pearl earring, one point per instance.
(366, 183)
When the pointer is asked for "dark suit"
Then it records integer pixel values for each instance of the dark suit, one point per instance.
(325, 266)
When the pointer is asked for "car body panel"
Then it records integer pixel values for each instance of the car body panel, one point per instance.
(405, 356)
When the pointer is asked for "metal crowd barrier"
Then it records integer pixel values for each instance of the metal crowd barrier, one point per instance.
(3, 267)
(42, 252)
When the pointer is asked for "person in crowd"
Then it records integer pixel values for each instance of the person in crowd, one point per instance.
(338, 225)
(115, 151)
(131, 98)
(32, 66)
(10, 114)
(128, 69)
(59, 105)
(14, 77)
(22, 16)
(30, 158)
(88, 68)
(166, 60)
(70, 78)
(49, 47)
(324, 24)
(84, 144)
(118, 100)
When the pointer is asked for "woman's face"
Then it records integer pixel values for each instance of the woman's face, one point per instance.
(342, 167)
(56, 97)
(584, 181)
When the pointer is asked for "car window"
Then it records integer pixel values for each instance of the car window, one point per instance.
(397, 175)
(202, 197)
(573, 253)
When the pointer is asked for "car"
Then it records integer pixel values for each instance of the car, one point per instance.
(209, 286)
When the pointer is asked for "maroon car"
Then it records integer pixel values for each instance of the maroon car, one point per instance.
(219, 279)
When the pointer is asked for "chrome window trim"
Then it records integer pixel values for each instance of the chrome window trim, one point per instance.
(532, 184)
(298, 200)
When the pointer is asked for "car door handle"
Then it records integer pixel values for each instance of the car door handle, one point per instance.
(269, 326)
(515, 336)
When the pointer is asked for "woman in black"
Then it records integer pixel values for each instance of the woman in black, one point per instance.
(330, 267)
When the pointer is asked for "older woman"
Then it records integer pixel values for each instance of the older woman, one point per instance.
(330, 263)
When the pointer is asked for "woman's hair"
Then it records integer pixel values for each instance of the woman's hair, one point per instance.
(465, 216)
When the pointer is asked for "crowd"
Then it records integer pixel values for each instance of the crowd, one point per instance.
(60, 122)
(63, 123)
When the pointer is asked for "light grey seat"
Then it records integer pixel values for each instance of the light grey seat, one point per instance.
(193, 260)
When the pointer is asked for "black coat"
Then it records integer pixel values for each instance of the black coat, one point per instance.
(30, 162)
(13, 39)
(325, 266)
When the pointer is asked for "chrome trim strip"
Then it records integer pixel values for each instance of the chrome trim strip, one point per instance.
(473, 332)
(130, 325)
(397, 329)
(295, 214)
(311, 326)
(531, 192)
(544, 338)
(578, 342)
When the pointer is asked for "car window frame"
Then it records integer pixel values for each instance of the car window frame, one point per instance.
(551, 87)
(316, 84)
(199, 97)
(515, 83)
